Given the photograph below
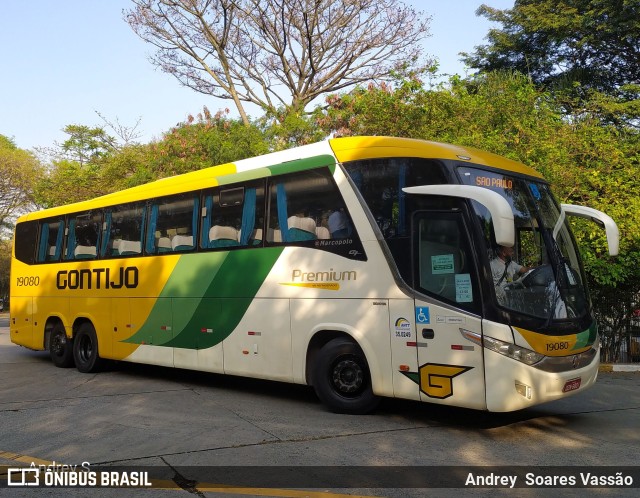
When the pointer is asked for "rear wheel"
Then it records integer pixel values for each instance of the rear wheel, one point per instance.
(342, 380)
(60, 347)
(85, 349)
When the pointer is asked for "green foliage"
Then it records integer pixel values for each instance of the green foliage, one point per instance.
(203, 141)
(5, 265)
(19, 170)
(561, 42)
(86, 144)
(94, 164)
(67, 182)
(6, 143)
(289, 128)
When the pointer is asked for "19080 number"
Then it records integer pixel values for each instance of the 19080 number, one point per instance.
(28, 281)
(557, 346)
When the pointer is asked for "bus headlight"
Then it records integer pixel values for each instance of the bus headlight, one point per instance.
(518, 353)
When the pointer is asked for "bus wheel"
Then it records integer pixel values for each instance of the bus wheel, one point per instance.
(341, 378)
(85, 349)
(60, 347)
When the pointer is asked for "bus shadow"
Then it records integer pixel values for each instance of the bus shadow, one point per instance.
(208, 380)
(414, 412)
(456, 417)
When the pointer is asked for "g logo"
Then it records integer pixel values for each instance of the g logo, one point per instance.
(436, 380)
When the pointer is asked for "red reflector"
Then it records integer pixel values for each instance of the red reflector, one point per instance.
(413, 344)
(404, 368)
(571, 385)
(457, 347)
(251, 333)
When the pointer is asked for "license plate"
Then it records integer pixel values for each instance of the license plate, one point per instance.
(571, 385)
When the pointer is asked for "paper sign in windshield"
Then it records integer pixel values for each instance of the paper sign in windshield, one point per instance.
(464, 292)
(442, 264)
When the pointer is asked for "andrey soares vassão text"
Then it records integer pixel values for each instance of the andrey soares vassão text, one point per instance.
(531, 479)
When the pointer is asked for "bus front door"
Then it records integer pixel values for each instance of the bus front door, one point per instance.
(447, 312)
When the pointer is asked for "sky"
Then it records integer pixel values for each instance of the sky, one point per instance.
(65, 61)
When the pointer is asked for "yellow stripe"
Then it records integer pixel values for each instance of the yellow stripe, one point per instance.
(16, 457)
(185, 182)
(334, 286)
(551, 345)
(287, 493)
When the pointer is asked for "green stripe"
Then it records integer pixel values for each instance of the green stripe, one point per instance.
(414, 376)
(244, 176)
(279, 169)
(587, 337)
(207, 291)
(303, 164)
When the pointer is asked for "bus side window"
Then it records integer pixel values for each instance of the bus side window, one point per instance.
(50, 243)
(83, 236)
(173, 224)
(233, 217)
(123, 230)
(306, 206)
(26, 236)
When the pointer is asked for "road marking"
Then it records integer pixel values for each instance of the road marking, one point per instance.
(16, 457)
(199, 486)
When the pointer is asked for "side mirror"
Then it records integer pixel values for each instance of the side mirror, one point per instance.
(602, 219)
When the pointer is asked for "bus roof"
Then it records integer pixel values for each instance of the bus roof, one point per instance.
(356, 148)
(303, 157)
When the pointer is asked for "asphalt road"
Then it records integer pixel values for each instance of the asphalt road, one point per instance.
(184, 425)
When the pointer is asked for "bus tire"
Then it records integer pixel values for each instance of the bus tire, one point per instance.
(85, 349)
(342, 380)
(60, 347)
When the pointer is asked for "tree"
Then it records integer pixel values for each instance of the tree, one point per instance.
(19, 170)
(278, 54)
(5, 267)
(591, 43)
(86, 144)
(128, 135)
(74, 171)
(68, 181)
(204, 140)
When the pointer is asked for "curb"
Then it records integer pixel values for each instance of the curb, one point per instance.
(620, 367)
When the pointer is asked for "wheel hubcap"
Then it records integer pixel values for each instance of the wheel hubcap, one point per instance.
(58, 344)
(85, 349)
(347, 376)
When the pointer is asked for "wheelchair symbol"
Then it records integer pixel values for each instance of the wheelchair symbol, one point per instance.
(422, 315)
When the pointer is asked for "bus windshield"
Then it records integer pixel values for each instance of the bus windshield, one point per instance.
(542, 275)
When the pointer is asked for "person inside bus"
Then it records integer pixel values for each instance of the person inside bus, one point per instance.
(504, 271)
(338, 224)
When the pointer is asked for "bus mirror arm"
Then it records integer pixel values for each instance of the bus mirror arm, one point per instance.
(602, 219)
(501, 213)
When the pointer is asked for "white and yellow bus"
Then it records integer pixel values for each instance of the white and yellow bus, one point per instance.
(360, 266)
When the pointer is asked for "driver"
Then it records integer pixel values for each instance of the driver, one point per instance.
(504, 271)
